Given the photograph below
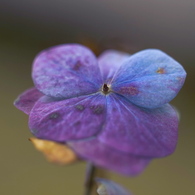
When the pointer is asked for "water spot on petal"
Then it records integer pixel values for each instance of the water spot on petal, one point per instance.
(131, 90)
(114, 109)
(77, 123)
(161, 71)
(97, 109)
(54, 115)
(77, 65)
(80, 107)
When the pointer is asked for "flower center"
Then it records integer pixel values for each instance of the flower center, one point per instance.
(106, 88)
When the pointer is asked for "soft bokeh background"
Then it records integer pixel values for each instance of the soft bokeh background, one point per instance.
(29, 26)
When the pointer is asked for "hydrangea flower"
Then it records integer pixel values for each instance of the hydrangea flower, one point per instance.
(112, 110)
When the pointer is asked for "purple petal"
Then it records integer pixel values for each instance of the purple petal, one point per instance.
(70, 119)
(107, 187)
(109, 62)
(149, 78)
(66, 71)
(27, 99)
(139, 131)
(107, 157)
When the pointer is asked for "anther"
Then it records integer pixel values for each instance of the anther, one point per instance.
(105, 88)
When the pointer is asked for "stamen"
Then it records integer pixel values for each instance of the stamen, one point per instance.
(105, 88)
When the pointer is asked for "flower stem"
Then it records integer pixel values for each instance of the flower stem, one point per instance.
(89, 182)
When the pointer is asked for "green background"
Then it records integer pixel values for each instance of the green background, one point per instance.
(27, 27)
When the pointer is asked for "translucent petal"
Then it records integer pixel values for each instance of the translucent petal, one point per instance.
(107, 157)
(139, 131)
(70, 119)
(27, 99)
(107, 187)
(66, 71)
(109, 62)
(149, 78)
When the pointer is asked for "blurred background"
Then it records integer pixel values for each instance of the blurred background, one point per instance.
(29, 26)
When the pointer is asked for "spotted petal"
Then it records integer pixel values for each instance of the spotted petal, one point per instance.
(104, 156)
(27, 99)
(149, 78)
(70, 119)
(66, 71)
(138, 130)
(109, 62)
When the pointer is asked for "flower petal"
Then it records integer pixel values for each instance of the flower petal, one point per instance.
(149, 78)
(107, 187)
(109, 62)
(139, 131)
(66, 71)
(70, 119)
(54, 152)
(107, 157)
(27, 99)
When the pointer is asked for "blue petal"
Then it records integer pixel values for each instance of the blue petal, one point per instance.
(149, 78)
(107, 187)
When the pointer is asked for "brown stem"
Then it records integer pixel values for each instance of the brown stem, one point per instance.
(89, 182)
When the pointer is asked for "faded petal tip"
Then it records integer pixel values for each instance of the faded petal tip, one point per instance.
(54, 152)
